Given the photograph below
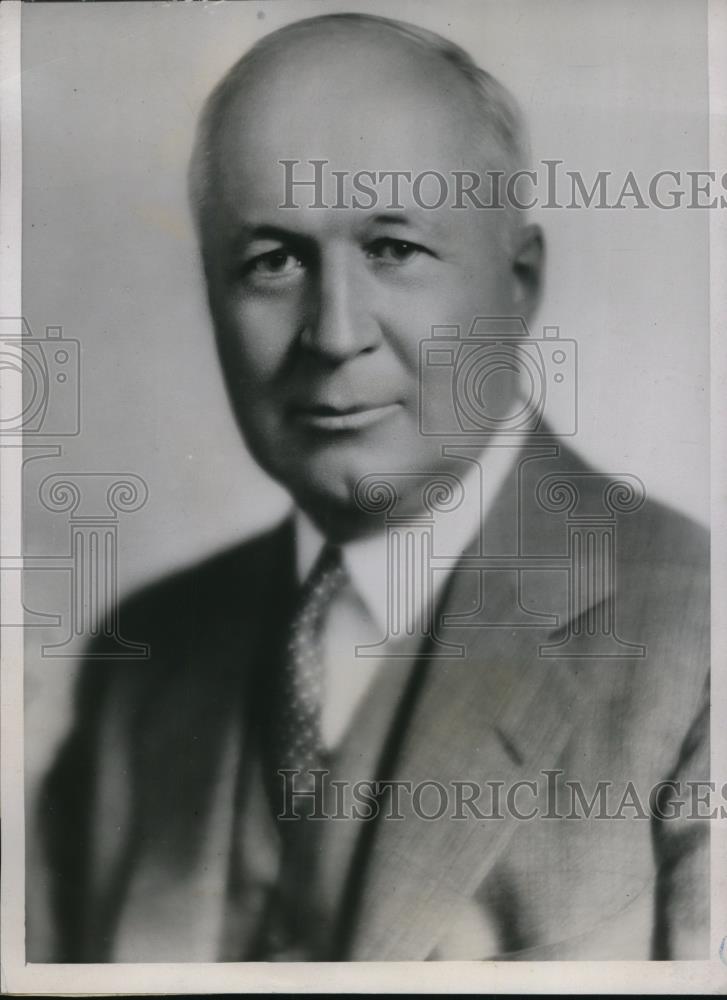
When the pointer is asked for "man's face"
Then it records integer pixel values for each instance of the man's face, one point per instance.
(320, 312)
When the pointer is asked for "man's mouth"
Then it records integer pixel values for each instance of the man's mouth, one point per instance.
(323, 417)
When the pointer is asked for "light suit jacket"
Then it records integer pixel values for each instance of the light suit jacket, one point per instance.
(145, 789)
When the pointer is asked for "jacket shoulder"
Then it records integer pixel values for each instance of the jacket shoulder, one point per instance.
(236, 574)
(194, 623)
(230, 585)
(658, 534)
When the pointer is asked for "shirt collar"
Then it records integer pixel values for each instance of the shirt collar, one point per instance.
(365, 559)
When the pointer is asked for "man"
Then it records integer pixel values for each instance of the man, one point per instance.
(506, 634)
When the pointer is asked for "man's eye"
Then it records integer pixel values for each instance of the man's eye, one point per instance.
(275, 263)
(393, 251)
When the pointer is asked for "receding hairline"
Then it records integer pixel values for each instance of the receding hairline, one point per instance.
(501, 118)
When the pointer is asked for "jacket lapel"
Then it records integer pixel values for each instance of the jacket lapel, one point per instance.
(501, 714)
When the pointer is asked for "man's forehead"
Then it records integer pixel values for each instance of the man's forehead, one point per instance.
(340, 62)
(383, 104)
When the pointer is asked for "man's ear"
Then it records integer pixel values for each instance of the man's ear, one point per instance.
(528, 265)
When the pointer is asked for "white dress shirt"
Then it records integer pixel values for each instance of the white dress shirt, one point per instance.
(357, 616)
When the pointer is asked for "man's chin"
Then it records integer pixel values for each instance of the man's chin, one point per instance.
(330, 483)
(326, 489)
(323, 476)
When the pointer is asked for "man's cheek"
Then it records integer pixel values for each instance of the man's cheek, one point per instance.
(266, 332)
(257, 351)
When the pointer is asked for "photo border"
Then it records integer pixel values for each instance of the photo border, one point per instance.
(431, 977)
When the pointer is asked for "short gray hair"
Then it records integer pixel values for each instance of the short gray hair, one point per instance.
(501, 116)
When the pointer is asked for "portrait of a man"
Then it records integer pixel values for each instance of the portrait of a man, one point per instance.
(455, 704)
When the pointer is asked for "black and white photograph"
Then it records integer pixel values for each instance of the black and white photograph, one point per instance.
(362, 549)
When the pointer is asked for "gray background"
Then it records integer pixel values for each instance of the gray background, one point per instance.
(110, 97)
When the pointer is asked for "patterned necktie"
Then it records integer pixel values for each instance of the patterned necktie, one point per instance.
(288, 931)
(298, 742)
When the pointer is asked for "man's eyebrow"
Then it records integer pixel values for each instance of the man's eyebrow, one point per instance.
(247, 234)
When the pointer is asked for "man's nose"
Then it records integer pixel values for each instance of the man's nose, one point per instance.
(340, 323)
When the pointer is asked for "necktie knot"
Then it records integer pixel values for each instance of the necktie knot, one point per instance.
(327, 575)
